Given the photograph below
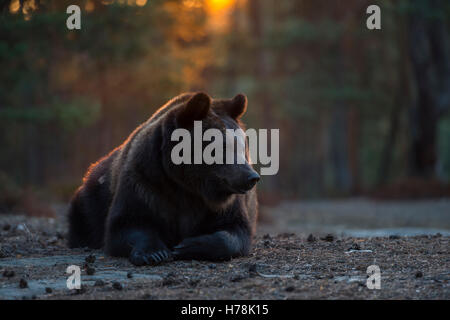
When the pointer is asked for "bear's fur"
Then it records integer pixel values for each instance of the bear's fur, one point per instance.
(135, 202)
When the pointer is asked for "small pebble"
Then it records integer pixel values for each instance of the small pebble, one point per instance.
(355, 246)
(329, 237)
(117, 286)
(419, 274)
(99, 283)
(212, 266)
(90, 271)
(23, 283)
(81, 290)
(9, 273)
(52, 240)
(237, 278)
(48, 290)
(129, 275)
(194, 282)
(6, 227)
(311, 238)
(170, 279)
(90, 258)
(290, 289)
(252, 269)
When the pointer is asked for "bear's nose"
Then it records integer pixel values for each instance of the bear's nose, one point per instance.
(253, 178)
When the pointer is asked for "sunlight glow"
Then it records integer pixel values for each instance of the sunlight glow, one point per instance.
(191, 4)
(219, 13)
(14, 6)
(141, 3)
(90, 6)
(27, 8)
(219, 5)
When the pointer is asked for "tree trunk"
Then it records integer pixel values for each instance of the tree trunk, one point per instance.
(262, 72)
(388, 148)
(354, 133)
(429, 57)
(339, 149)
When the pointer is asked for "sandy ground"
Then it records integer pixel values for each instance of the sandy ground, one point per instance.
(359, 217)
(34, 259)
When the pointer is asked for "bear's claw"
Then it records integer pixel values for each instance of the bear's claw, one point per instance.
(140, 258)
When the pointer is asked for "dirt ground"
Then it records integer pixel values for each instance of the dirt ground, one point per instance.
(33, 255)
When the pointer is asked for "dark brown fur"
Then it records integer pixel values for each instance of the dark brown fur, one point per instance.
(136, 203)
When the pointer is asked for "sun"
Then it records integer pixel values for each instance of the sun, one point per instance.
(219, 13)
(219, 5)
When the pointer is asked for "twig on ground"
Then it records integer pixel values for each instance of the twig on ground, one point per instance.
(284, 276)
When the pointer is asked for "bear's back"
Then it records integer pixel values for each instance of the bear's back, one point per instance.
(135, 139)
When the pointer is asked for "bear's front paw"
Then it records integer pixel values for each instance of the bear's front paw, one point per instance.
(187, 248)
(207, 247)
(140, 258)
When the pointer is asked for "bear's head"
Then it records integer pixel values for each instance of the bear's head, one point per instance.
(215, 163)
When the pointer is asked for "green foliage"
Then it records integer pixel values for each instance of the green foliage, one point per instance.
(10, 193)
(69, 115)
(444, 148)
(300, 31)
(76, 113)
(69, 97)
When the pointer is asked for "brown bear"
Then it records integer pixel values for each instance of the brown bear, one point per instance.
(136, 203)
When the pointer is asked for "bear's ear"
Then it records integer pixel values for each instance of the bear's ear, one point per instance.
(238, 106)
(195, 109)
